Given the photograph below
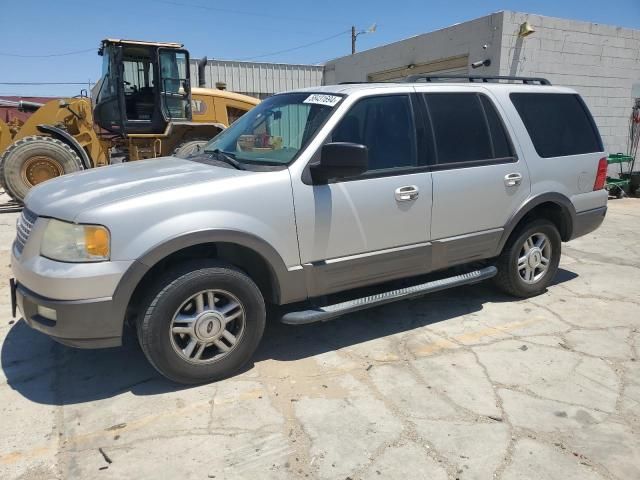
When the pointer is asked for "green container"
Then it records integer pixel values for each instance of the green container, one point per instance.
(619, 158)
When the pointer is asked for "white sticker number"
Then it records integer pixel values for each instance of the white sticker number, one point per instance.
(321, 99)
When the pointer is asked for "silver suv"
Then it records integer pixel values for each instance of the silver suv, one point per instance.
(314, 201)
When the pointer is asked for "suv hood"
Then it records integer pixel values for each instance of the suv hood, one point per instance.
(67, 196)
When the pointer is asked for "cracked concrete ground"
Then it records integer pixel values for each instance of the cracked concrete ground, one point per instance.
(466, 384)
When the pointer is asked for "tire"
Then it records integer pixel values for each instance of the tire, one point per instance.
(514, 276)
(185, 149)
(33, 160)
(170, 322)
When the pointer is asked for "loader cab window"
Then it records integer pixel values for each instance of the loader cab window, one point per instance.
(174, 84)
(107, 101)
(138, 84)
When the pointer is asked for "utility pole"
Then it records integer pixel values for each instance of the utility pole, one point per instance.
(354, 35)
(353, 39)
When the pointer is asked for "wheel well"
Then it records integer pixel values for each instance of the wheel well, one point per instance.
(553, 212)
(247, 260)
(68, 139)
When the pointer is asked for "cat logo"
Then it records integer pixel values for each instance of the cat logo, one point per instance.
(198, 107)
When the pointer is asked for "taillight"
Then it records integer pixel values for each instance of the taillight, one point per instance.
(601, 176)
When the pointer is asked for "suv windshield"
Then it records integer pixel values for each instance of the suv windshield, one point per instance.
(276, 130)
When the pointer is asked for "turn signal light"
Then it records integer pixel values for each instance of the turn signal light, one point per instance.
(601, 176)
(96, 241)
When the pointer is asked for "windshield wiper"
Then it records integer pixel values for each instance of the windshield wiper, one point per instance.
(225, 157)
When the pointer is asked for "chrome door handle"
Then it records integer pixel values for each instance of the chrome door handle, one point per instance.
(406, 194)
(512, 179)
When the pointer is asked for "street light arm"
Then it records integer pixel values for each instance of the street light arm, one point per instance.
(354, 35)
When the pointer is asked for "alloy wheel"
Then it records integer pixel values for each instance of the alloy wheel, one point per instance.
(534, 258)
(207, 326)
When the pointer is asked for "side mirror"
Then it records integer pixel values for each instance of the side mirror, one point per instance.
(340, 160)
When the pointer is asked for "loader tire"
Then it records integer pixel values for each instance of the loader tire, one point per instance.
(189, 147)
(33, 160)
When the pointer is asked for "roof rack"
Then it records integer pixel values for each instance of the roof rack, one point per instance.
(478, 78)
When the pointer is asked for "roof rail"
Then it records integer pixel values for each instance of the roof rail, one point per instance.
(478, 78)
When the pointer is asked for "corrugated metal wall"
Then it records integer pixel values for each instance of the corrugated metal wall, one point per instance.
(258, 79)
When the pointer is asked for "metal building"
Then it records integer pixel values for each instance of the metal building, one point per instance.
(259, 79)
(601, 62)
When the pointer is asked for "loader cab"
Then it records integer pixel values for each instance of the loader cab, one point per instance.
(144, 86)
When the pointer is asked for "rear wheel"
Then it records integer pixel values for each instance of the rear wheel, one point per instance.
(189, 148)
(202, 322)
(33, 160)
(530, 259)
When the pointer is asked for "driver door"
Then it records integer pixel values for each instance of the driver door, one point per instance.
(175, 87)
(109, 108)
(374, 227)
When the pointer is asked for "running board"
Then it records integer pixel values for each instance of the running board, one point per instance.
(322, 314)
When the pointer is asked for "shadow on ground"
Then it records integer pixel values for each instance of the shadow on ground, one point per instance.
(49, 373)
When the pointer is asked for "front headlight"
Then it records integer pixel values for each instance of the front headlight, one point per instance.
(69, 242)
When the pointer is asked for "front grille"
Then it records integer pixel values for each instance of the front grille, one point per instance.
(23, 228)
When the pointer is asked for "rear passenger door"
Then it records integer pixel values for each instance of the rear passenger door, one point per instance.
(478, 178)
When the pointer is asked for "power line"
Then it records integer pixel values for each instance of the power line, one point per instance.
(4, 54)
(295, 48)
(45, 83)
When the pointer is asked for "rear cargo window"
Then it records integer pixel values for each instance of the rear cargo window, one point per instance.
(559, 124)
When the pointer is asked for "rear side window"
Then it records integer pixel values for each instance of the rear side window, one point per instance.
(466, 128)
(559, 124)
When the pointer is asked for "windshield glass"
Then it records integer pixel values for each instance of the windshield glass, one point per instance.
(276, 130)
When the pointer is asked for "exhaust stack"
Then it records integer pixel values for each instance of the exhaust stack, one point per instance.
(202, 63)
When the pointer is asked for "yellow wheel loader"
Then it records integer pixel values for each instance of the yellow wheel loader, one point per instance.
(142, 107)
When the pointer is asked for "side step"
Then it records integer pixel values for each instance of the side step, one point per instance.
(322, 314)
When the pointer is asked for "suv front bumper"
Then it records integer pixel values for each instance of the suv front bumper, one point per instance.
(71, 302)
(78, 323)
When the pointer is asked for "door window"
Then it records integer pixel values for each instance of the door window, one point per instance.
(107, 112)
(385, 125)
(174, 83)
(139, 96)
(467, 128)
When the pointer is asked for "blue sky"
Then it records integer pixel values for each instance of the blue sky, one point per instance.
(238, 30)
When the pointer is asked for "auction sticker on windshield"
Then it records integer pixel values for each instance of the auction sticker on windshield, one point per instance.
(321, 99)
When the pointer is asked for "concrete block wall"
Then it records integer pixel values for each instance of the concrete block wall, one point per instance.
(461, 39)
(601, 62)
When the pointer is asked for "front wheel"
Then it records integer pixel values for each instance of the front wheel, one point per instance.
(201, 322)
(530, 260)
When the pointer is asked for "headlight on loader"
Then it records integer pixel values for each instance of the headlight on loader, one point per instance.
(69, 242)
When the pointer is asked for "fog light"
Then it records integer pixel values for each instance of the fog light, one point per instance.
(48, 313)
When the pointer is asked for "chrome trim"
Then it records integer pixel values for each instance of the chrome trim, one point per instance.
(24, 225)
